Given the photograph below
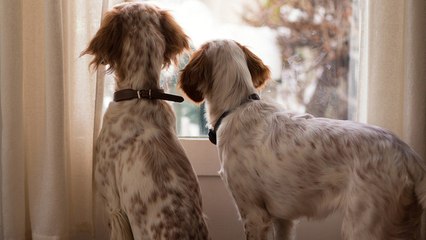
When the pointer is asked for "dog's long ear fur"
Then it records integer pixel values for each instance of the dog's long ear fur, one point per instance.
(260, 73)
(107, 44)
(176, 39)
(195, 77)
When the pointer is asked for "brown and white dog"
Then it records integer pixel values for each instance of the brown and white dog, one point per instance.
(141, 170)
(280, 167)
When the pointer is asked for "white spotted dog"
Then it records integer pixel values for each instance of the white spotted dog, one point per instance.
(141, 170)
(280, 167)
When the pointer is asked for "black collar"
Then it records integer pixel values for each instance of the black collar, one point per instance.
(128, 94)
(212, 131)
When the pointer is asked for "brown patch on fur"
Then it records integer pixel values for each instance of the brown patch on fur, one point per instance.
(176, 39)
(260, 73)
(139, 208)
(194, 77)
(107, 44)
(122, 26)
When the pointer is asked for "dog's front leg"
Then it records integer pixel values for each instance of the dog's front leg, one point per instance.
(257, 222)
(284, 229)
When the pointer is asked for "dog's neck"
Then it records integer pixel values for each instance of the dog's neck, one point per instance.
(223, 101)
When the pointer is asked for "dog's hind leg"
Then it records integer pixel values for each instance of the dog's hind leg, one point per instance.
(120, 226)
(360, 224)
(422, 231)
(284, 229)
(382, 215)
(118, 219)
(257, 222)
(420, 190)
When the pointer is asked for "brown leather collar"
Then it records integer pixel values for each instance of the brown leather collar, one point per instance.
(128, 94)
(212, 131)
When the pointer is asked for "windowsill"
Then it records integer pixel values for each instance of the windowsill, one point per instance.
(203, 156)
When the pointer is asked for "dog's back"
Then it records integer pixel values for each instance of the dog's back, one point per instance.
(144, 172)
(301, 166)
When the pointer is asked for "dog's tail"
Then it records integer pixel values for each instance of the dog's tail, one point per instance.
(120, 226)
(420, 190)
(418, 170)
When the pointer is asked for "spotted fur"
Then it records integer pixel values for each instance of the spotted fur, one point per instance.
(141, 170)
(280, 166)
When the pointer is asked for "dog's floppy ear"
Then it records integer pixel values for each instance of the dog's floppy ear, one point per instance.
(107, 45)
(260, 73)
(194, 78)
(176, 39)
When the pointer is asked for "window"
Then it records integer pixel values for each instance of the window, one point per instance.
(311, 47)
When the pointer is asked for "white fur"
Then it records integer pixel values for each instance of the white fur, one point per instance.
(141, 171)
(281, 167)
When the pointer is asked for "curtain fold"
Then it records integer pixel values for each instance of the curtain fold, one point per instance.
(43, 94)
(12, 192)
(414, 126)
(47, 101)
(392, 68)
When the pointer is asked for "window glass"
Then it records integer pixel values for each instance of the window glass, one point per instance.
(311, 47)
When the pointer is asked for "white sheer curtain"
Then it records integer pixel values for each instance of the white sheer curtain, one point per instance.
(393, 68)
(47, 101)
(47, 105)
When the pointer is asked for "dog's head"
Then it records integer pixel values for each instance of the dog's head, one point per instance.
(217, 61)
(133, 35)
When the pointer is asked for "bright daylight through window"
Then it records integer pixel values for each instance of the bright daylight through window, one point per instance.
(310, 46)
